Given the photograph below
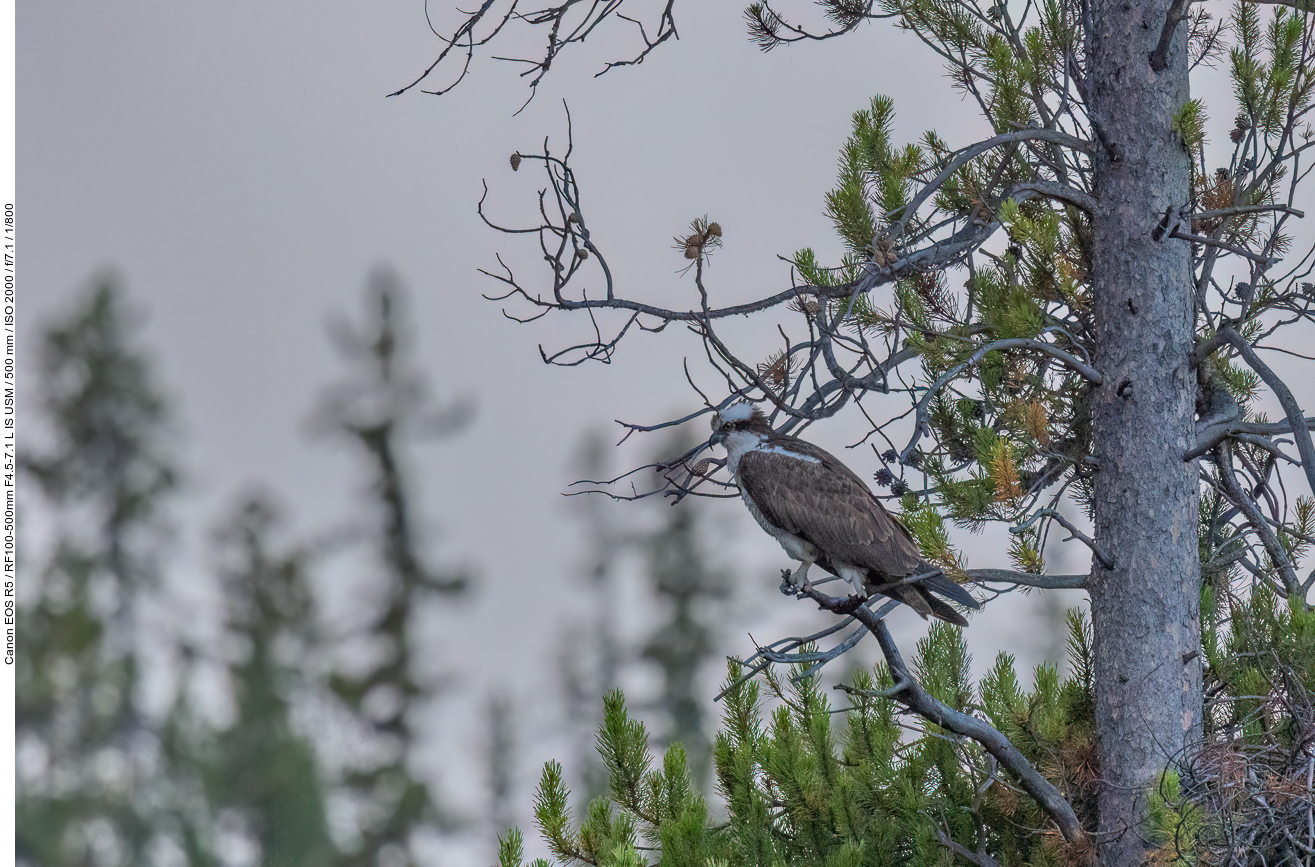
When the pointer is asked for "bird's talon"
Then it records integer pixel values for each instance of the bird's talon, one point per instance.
(790, 587)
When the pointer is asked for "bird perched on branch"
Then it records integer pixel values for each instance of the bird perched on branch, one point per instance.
(821, 512)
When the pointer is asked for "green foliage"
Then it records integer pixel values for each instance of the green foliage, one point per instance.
(874, 177)
(1268, 91)
(991, 446)
(1175, 823)
(811, 272)
(1020, 72)
(511, 848)
(808, 784)
(1004, 425)
(1266, 648)
(1011, 428)
(1189, 122)
(1025, 552)
(104, 470)
(928, 529)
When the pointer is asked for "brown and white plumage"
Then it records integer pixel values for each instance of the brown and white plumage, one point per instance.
(821, 512)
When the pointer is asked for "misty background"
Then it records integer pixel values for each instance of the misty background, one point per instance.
(238, 172)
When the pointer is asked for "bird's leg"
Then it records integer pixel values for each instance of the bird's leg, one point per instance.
(856, 578)
(796, 582)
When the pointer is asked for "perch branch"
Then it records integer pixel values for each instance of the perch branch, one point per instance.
(927, 706)
(1232, 488)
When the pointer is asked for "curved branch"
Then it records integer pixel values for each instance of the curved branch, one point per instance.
(927, 706)
(1273, 547)
(970, 153)
(1296, 419)
(1074, 363)
(1062, 192)
(766, 24)
(1217, 433)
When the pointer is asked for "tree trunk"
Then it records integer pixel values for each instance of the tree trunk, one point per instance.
(1145, 609)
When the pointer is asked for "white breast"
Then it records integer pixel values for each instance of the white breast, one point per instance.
(737, 443)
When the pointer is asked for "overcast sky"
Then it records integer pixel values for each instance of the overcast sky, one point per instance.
(238, 166)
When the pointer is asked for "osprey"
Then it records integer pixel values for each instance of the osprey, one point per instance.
(821, 512)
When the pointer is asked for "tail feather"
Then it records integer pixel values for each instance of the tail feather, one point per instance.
(950, 590)
(918, 596)
(939, 583)
(944, 611)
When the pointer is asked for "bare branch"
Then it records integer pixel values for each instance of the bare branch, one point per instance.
(1027, 579)
(563, 29)
(1074, 533)
(464, 32)
(1223, 460)
(1245, 209)
(1213, 435)
(978, 858)
(1266, 261)
(785, 651)
(1296, 419)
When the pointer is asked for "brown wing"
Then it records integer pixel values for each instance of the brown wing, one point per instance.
(824, 502)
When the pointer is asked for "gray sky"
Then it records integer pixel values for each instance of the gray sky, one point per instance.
(238, 166)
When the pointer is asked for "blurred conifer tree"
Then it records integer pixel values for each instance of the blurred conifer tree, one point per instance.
(381, 404)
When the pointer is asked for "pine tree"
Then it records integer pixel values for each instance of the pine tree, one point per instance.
(803, 785)
(382, 403)
(693, 591)
(261, 773)
(1073, 312)
(86, 774)
(104, 781)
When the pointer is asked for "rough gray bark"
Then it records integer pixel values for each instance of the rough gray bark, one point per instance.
(1145, 609)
